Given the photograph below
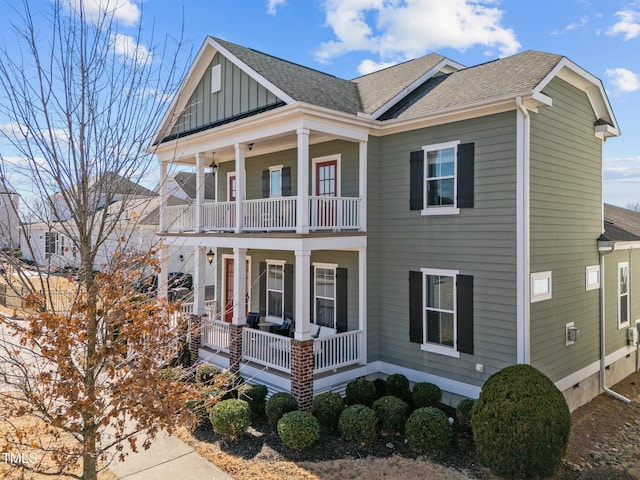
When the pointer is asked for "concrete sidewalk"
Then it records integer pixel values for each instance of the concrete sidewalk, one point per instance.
(167, 458)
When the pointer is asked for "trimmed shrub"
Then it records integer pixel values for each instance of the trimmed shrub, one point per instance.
(206, 373)
(174, 373)
(428, 429)
(200, 404)
(520, 423)
(426, 394)
(230, 419)
(327, 407)
(228, 382)
(398, 386)
(255, 396)
(607, 473)
(277, 405)
(299, 430)
(392, 413)
(463, 412)
(358, 423)
(360, 392)
(381, 387)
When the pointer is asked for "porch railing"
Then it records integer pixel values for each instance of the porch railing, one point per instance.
(219, 216)
(268, 349)
(215, 334)
(179, 218)
(334, 213)
(270, 214)
(210, 308)
(337, 351)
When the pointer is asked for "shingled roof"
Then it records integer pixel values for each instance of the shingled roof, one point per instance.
(620, 224)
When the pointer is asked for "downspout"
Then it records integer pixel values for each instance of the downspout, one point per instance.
(603, 352)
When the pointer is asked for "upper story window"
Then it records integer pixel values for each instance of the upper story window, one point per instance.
(540, 286)
(216, 78)
(325, 295)
(442, 178)
(623, 295)
(275, 181)
(592, 277)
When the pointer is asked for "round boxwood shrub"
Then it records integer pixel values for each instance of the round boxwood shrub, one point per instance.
(428, 429)
(277, 405)
(381, 387)
(327, 407)
(201, 401)
(392, 413)
(520, 423)
(607, 473)
(206, 373)
(255, 396)
(299, 430)
(230, 418)
(426, 394)
(463, 412)
(398, 386)
(358, 423)
(360, 392)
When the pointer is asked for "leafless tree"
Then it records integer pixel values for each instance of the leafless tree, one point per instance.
(634, 206)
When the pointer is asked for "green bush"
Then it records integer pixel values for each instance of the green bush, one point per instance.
(398, 386)
(428, 429)
(174, 374)
(392, 413)
(360, 392)
(358, 423)
(255, 396)
(277, 405)
(200, 403)
(206, 373)
(426, 394)
(607, 473)
(463, 412)
(299, 430)
(381, 387)
(230, 419)
(327, 407)
(520, 423)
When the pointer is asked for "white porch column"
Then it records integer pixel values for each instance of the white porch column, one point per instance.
(239, 286)
(241, 193)
(362, 185)
(163, 194)
(199, 274)
(199, 191)
(362, 307)
(163, 277)
(302, 221)
(303, 295)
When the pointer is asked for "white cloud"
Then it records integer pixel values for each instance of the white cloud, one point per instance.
(369, 66)
(397, 31)
(623, 80)
(628, 25)
(272, 5)
(126, 46)
(625, 170)
(123, 11)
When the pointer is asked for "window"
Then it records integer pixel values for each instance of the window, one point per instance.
(623, 295)
(275, 181)
(231, 187)
(216, 78)
(50, 243)
(275, 290)
(442, 178)
(441, 311)
(540, 286)
(592, 277)
(325, 295)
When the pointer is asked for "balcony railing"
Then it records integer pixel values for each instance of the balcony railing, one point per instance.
(267, 215)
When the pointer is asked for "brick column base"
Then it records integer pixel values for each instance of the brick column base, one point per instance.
(195, 338)
(302, 373)
(235, 347)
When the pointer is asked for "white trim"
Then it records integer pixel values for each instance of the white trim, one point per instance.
(216, 78)
(546, 295)
(440, 349)
(619, 266)
(588, 271)
(327, 158)
(326, 266)
(275, 168)
(440, 209)
(223, 282)
(277, 263)
(446, 384)
(229, 175)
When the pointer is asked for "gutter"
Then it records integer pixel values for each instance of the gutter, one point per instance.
(603, 384)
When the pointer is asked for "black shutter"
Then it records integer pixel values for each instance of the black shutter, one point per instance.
(416, 180)
(464, 294)
(465, 175)
(415, 307)
(341, 300)
(288, 290)
(312, 298)
(262, 308)
(286, 181)
(266, 176)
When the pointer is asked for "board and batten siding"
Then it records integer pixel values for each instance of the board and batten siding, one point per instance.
(565, 223)
(480, 241)
(240, 94)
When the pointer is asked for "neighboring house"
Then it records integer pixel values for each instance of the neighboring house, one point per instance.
(428, 219)
(9, 218)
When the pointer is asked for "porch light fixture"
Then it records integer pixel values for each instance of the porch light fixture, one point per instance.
(213, 166)
(210, 256)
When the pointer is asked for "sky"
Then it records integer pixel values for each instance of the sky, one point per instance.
(349, 38)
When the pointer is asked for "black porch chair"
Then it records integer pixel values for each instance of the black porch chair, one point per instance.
(283, 329)
(253, 319)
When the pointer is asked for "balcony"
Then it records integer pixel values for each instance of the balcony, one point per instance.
(266, 215)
